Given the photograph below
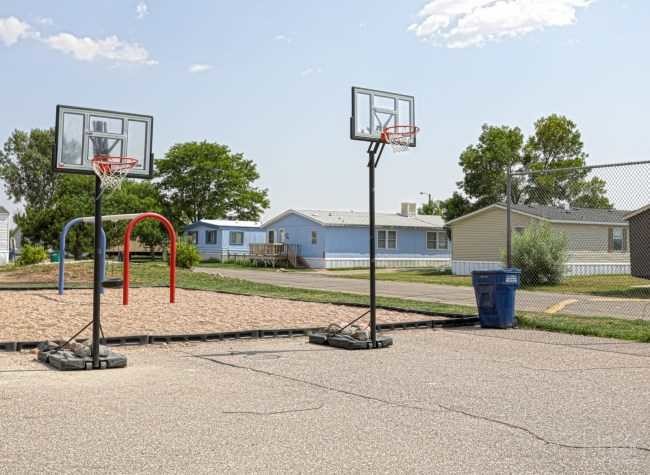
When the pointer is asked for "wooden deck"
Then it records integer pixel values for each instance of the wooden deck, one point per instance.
(275, 254)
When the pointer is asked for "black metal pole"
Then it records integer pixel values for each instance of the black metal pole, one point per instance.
(373, 290)
(97, 285)
(508, 222)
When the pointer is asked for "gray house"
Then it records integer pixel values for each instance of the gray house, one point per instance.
(639, 222)
(4, 236)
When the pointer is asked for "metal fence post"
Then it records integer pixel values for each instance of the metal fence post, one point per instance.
(508, 220)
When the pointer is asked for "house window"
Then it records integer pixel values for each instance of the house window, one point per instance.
(314, 237)
(617, 239)
(193, 237)
(437, 240)
(432, 240)
(236, 238)
(271, 236)
(386, 239)
(281, 236)
(210, 237)
(443, 242)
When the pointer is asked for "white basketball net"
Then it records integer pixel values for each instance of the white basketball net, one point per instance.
(399, 137)
(112, 170)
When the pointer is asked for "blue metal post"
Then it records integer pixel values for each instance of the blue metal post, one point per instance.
(62, 237)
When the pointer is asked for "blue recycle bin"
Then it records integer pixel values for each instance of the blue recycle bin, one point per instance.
(495, 296)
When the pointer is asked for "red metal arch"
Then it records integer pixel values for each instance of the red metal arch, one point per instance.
(172, 254)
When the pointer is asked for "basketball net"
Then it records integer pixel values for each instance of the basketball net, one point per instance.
(399, 137)
(112, 170)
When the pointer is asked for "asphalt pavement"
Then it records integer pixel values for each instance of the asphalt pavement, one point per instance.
(548, 302)
(443, 401)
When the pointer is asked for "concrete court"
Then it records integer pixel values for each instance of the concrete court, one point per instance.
(549, 302)
(439, 401)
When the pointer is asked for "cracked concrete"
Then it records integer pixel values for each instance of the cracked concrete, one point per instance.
(437, 401)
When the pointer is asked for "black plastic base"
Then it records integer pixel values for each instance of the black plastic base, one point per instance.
(348, 343)
(66, 360)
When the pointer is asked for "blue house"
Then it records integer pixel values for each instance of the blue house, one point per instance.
(220, 238)
(339, 239)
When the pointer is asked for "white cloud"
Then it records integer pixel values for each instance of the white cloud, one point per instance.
(464, 23)
(310, 71)
(199, 68)
(84, 49)
(12, 30)
(142, 10)
(284, 38)
(90, 49)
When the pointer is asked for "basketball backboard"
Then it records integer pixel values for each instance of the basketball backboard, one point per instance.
(373, 111)
(81, 134)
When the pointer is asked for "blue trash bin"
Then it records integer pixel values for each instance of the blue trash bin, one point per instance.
(495, 296)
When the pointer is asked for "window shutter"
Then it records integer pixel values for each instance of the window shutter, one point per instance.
(625, 240)
(610, 239)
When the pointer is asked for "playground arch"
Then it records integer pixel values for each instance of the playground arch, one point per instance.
(62, 238)
(127, 253)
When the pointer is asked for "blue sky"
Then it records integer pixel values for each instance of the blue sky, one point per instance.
(272, 79)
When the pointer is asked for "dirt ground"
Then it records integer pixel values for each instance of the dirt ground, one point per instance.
(47, 273)
(43, 314)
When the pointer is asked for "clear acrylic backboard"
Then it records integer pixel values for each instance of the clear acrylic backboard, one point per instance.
(82, 134)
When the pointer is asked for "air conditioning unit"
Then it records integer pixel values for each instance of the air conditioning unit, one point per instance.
(409, 209)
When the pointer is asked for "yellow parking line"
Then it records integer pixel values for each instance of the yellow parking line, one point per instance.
(559, 306)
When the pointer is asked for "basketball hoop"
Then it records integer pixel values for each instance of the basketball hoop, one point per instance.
(399, 136)
(112, 170)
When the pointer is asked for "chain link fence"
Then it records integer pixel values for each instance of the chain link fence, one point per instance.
(580, 236)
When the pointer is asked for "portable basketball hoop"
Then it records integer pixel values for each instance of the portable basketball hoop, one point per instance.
(112, 170)
(400, 137)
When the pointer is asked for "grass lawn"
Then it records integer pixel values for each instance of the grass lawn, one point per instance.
(622, 286)
(150, 274)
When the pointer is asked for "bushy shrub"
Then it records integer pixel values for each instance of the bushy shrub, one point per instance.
(187, 254)
(31, 254)
(540, 253)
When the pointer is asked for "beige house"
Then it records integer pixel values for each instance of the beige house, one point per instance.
(597, 238)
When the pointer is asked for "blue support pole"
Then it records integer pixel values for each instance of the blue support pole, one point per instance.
(62, 237)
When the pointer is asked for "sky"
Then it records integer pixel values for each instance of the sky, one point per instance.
(272, 80)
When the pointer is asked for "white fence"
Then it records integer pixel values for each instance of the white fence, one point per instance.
(572, 268)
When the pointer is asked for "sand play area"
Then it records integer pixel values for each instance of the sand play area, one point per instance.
(43, 314)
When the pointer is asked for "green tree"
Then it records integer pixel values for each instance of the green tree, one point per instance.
(557, 144)
(26, 167)
(456, 206)
(485, 165)
(431, 207)
(72, 197)
(200, 180)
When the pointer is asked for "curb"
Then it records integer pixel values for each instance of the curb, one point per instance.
(139, 340)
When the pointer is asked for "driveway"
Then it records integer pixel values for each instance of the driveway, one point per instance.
(469, 401)
(552, 303)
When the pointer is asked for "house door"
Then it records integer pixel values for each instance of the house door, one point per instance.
(271, 238)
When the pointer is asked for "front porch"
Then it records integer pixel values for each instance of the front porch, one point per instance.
(274, 255)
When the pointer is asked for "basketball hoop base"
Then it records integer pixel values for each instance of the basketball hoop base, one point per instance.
(346, 342)
(67, 360)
